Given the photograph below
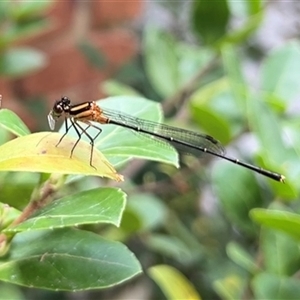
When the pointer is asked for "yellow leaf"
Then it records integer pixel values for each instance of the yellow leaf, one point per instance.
(38, 153)
(173, 284)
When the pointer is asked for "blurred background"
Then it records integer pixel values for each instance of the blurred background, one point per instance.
(226, 68)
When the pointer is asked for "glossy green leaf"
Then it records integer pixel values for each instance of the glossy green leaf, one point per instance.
(173, 283)
(67, 259)
(10, 121)
(210, 19)
(238, 193)
(102, 205)
(280, 220)
(241, 257)
(16, 62)
(119, 144)
(274, 247)
(270, 286)
(38, 153)
(161, 62)
(280, 72)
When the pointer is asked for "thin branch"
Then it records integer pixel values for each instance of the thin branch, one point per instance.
(185, 92)
(41, 196)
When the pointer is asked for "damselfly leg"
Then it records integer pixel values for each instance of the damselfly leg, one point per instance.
(84, 131)
(81, 131)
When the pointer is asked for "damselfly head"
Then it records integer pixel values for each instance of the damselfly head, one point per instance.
(60, 106)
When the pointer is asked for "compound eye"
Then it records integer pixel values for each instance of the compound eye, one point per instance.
(58, 109)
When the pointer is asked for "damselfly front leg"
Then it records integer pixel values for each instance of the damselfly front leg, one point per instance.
(67, 130)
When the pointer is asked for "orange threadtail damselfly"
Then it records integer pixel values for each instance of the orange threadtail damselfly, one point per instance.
(184, 141)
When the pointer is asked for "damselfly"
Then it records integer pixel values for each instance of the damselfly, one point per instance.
(184, 141)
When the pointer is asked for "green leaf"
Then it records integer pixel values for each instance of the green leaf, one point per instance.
(181, 234)
(130, 224)
(254, 6)
(238, 193)
(267, 127)
(9, 291)
(4, 134)
(280, 220)
(210, 19)
(26, 10)
(205, 94)
(17, 62)
(116, 88)
(241, 257)
(243, 9)
(102, 205)
(270, 286)
(213, 123)
(235, 77)
(7, 215)
(169, 246)
(161, 62)
(219, 100)
(230, 287)
(151, 210)
(67, 259)
(95, 58)
(191, 59)
(173, 283)
(4, 10)
(25, 181)
(243, 33)
(119, 144)
(21, 31)
(10, 121)
(143, 213)
(38, 153)
(280, 72)
(274, 246)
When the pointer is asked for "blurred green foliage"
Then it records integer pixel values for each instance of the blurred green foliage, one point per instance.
(230, 233)
(20, 20)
